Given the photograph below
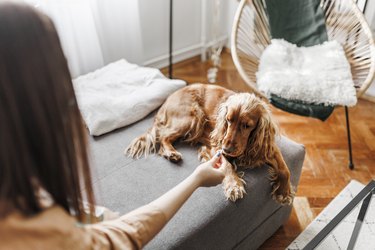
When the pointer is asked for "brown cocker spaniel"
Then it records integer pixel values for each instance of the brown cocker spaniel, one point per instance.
(217, 118)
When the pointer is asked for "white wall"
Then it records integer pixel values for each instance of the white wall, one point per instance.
(370, 16)
(187, 22)
(231, 11)
(192, 29)
(370, 13)
(155, 27)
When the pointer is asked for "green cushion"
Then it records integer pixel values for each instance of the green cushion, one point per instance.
(300, 22)
(318, 111)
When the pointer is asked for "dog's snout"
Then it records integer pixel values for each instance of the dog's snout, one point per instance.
(228, 149)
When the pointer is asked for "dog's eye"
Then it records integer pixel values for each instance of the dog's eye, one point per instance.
(245, 126)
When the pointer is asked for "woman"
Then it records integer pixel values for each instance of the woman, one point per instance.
(43, 158)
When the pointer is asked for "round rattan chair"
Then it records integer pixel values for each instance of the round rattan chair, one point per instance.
(345, 23)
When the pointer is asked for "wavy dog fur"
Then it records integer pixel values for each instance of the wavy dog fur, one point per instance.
(238, 123)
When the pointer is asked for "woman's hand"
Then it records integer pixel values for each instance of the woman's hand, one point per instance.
(210, 173)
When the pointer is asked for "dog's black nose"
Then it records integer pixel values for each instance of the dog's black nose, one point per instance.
(228, 150)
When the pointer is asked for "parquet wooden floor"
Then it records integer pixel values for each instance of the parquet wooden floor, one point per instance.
(325, 170)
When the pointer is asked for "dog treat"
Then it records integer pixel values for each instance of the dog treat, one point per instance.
(218, 153)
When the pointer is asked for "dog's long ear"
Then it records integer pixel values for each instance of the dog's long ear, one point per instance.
(260, 145)
(217, 135)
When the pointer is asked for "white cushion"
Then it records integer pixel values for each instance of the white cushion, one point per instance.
(121, 93)
(317, 74)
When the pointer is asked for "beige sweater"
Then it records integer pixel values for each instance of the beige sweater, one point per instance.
(55, 229)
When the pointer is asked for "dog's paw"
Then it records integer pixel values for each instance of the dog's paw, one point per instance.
(234, 193)
(284, 200)
(204, 154)
(173, 156)
(202, 159)
(284, 196)
(234, 188)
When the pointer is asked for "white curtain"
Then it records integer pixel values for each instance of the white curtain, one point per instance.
(94, 33)
(119, 28)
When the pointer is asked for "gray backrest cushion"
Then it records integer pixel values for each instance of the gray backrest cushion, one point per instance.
(301, 22)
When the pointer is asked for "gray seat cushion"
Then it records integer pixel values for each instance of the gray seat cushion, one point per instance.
(207, 220)
(319, 111)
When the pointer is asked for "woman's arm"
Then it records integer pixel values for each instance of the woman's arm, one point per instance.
(205, 175)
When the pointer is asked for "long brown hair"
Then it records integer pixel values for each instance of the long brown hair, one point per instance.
(42, 137)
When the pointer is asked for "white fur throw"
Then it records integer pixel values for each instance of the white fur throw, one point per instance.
(317, 74)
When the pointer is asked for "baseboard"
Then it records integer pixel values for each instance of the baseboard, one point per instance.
(183, 54)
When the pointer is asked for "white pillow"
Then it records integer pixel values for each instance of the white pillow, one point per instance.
(317, 74)
(121, 93)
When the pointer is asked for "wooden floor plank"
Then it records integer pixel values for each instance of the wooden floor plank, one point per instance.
(303, 210)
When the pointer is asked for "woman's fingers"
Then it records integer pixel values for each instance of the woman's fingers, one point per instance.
(218, 163)
(216, 160)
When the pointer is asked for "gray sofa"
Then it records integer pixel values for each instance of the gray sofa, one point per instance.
(207, 220)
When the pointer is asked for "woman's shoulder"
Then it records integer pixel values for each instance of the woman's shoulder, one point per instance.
(53, 228)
